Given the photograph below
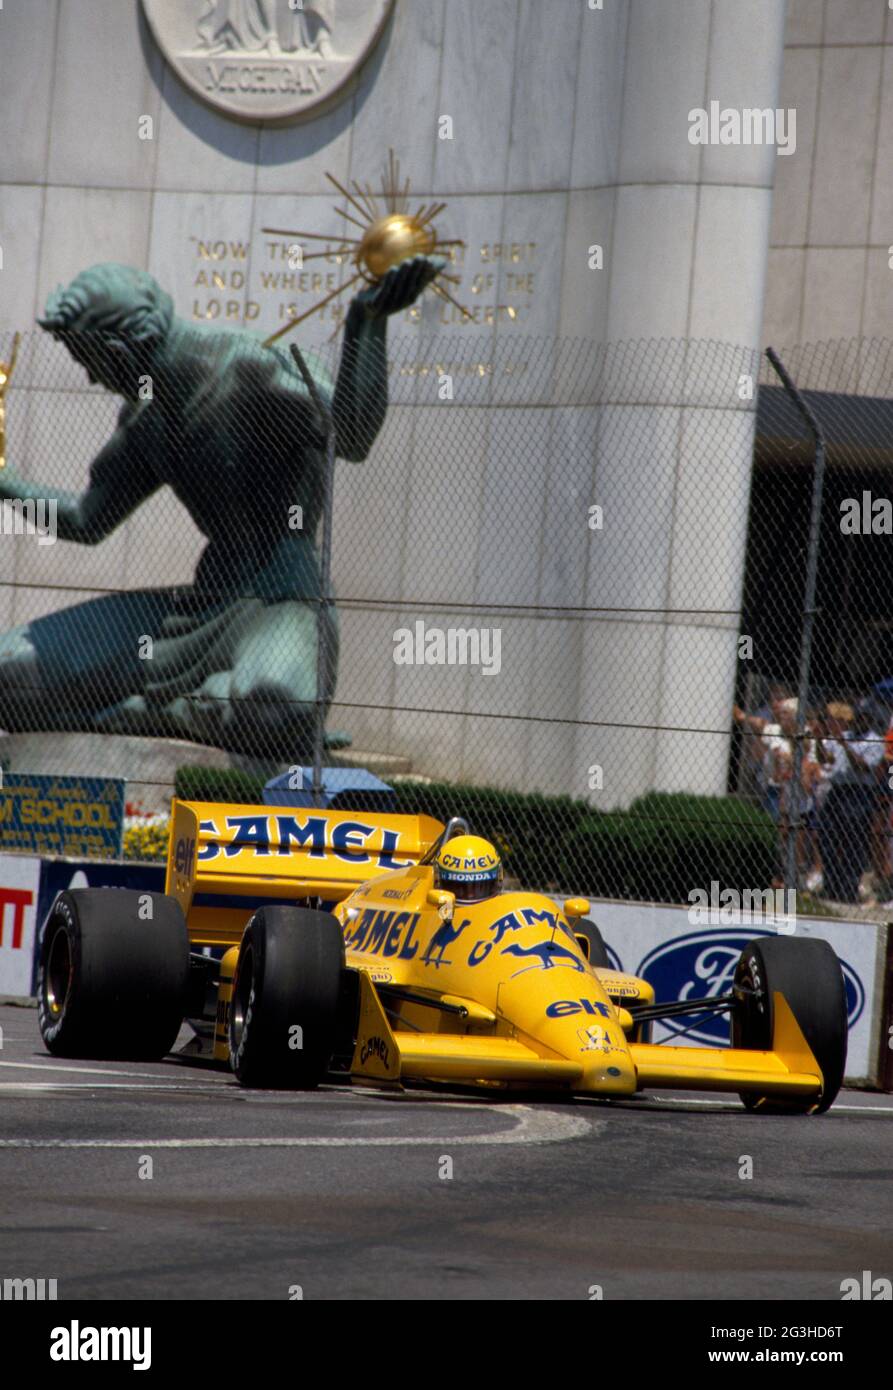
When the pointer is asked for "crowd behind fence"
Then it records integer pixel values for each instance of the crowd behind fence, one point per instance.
(590, 597)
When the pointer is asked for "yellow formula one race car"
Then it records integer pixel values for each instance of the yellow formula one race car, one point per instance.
(303, 944)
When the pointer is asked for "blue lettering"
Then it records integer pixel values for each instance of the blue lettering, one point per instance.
(589, 1006)
(379, 930)
(356, 941)
(479, 951)
(393, 941)
(345, 843)
(386, 860)
(531, 915)
(183, 857)
(563, 1008)
(251, 833)
(406, 953)
(314, 830)
(212, 848)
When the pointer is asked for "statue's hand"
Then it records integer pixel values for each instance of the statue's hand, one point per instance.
(400, 286)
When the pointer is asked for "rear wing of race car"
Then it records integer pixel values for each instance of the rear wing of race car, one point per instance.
(219, 854)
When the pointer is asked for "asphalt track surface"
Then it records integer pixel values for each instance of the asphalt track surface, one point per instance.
(340, 1191)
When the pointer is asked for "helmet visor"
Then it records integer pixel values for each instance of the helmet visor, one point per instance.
(470, 888)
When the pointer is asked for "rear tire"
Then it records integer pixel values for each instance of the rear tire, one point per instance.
(112, 973)
(288, 977)
(807, 972)
(597, 954)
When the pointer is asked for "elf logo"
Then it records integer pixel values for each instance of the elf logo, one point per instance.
(564, 1008)
(183, 856)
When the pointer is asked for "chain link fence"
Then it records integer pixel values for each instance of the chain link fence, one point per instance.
(563, 592)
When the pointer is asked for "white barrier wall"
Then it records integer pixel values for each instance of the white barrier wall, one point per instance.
(19, 888)
(685, 956)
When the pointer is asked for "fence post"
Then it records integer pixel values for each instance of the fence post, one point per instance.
(325, 600)
(809, 612)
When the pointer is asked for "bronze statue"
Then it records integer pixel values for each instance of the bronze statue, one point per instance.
(231, 658)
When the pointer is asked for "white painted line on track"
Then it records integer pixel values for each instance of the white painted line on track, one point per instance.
(81, 1071)
(861, 1110)
(30, 1086)
(656, 1103)
(533, 1126)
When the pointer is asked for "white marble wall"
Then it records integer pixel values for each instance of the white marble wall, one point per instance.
(570, 129)
(829, 270)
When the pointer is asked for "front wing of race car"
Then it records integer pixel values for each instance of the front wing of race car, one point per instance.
(389, 1054)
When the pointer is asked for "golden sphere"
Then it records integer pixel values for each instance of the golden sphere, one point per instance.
(393, 239)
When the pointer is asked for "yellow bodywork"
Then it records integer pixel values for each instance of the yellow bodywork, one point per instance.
(495, 993)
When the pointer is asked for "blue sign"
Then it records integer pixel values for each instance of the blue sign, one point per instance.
(701, 965)
(78, 817)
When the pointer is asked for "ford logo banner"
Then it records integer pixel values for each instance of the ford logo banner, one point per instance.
(701, 965)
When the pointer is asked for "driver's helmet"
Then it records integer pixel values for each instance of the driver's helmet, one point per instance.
(469, 867)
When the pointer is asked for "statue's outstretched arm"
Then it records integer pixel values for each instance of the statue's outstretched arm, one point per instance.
(119, 480)
(361, 391)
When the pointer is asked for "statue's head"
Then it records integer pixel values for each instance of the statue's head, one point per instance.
(111, 318)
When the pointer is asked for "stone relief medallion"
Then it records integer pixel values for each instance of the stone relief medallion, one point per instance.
(266, 60)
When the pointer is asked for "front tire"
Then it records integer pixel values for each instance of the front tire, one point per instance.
(284, 1013)
(807, 972)
(112, 974)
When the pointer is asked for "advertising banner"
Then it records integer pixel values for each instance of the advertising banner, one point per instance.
(62, 815)
(685, 953)
(19, 892)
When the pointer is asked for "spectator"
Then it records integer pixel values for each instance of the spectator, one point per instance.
(837, 716)
(776, 740)
(880, 827)
(853, 757)
(780, 741)
(759, 731)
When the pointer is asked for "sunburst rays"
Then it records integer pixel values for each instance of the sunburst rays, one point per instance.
(390, 233)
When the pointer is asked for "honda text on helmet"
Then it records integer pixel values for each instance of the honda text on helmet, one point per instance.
(469, 867)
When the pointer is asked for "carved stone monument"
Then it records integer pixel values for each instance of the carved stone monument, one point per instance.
(266, 60)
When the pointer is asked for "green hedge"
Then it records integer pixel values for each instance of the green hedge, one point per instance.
(658, 850)
(666, 844)
(218, 784)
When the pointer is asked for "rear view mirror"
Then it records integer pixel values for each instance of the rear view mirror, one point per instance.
(442, 900)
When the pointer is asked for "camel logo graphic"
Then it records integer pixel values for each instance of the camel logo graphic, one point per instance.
(481, 949)
(548, 955)
(445, 935)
